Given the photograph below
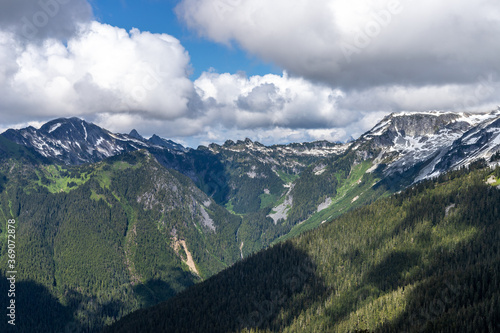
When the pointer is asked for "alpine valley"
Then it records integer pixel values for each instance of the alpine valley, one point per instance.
(320, 236)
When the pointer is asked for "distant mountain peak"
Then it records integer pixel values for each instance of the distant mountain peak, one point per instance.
(229, 143)
(165, 143)
(420, 145)
(75, 141)
(425, 123)
(134, 134)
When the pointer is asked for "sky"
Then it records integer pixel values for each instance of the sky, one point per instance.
(275, 71)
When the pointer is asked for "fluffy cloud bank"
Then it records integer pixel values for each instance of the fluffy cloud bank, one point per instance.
(349, 65)
(361, 43)
(101, 68)
(270, 108)
(268, 101)
(123, 80)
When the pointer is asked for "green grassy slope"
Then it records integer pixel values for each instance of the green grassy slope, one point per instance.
(355, 190)
(424, 260)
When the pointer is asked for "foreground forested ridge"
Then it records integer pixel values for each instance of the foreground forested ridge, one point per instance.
(95, 242)
(424, 260)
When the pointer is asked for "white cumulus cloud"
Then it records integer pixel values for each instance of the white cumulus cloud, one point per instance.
(100, 69)
(268, 101)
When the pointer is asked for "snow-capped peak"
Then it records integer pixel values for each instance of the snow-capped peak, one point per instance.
(75, 141)
(432, 142)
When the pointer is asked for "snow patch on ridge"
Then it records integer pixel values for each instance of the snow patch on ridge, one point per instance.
(54, 127)
(318, 170)
(85, 130)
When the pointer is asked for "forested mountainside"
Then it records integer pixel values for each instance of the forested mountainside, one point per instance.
(95, 242)
(424, 260)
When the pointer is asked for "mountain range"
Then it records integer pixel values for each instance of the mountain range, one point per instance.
(109, 223)
(432, 141)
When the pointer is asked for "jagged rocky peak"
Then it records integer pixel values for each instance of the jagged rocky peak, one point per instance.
(228, 143)
(156, 140)
(246, 142)
(134, 134)
(239, 144)
(165, 143)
